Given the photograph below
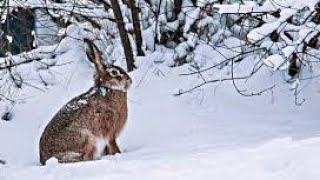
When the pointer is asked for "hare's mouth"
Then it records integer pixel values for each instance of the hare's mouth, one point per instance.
(120, 86)
(128, 83)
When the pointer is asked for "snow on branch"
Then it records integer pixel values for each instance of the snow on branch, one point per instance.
(282, 35)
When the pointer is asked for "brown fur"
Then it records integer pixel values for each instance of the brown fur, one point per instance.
(98, 114)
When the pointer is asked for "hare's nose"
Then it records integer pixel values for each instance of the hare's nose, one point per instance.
(129, 82)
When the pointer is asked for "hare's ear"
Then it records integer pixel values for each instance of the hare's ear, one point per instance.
(94, 56)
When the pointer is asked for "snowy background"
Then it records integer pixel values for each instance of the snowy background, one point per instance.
(212, 133)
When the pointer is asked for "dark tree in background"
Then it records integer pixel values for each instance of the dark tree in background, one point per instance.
(123, 35)
(136, 26)
(19, 25)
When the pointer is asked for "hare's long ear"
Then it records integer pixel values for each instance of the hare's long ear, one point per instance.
(94, 56)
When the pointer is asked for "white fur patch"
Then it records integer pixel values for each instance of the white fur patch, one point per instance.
(121, 86)
(103, 91)
(71, 155)
(101, 144)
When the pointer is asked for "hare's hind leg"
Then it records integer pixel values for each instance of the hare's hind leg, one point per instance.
(88, 153)
(112, 147)
(69, 157)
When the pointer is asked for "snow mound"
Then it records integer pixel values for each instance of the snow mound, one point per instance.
(277, 160)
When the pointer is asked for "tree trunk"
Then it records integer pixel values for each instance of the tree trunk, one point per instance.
(123, 35)
(177, 6)
(19, 25)
(194, 2)
(157, 14)
(136, 27)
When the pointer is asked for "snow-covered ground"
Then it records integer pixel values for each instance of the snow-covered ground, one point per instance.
(213, 133)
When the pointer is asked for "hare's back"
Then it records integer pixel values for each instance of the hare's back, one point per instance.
(68, 122)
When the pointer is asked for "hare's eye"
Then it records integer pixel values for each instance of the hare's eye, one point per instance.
(114, 72)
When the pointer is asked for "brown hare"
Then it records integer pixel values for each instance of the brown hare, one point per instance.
(87, 126)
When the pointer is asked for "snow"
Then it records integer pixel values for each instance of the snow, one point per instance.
(202, 135)
(261, 32)
(237, 8)
(192, 16)
(274, 61)
(210, 133)
(267, 28)
(269, 5)
(287, 8)
(288, 51)
(279, 159)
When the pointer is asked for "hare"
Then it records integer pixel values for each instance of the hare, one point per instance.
(86, 128)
